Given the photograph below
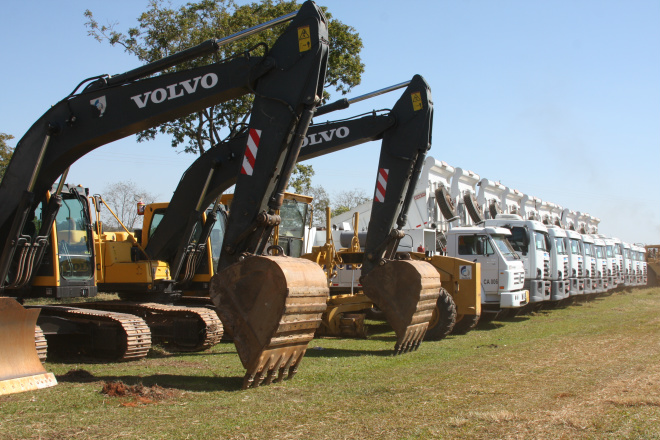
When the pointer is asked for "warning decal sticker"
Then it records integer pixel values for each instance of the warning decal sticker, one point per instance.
(417, 101)
(304, 39)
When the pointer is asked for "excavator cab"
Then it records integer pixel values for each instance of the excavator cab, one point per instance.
(67, 268)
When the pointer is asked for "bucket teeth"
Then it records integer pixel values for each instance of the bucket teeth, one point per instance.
(273, 306)
(285, 365)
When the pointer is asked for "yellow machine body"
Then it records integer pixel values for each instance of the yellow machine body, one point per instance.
(466, 293)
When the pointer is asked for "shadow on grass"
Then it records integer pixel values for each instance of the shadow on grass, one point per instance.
(321, 352)
(180, 382)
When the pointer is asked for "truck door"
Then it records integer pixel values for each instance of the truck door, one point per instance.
(477, 248)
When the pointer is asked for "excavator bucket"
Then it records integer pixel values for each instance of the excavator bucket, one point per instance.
(272, 306)
(20, 367)
(406, 291)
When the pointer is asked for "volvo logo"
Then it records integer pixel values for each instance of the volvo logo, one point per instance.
(325, 136)
(177, 90)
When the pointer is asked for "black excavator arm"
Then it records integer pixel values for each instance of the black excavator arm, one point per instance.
(113, 107)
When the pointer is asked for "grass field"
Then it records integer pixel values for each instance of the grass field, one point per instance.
(591, 370)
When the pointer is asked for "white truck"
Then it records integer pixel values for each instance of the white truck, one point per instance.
(530, 239)
(502, 271)
(559, 282)
(612, 262)
(591, 277)
(576, 262)
(604, 278)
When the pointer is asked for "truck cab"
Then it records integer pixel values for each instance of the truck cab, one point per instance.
(530, 240)
(603, 276)
(559, 265)
(589, 260)
(617, 248)
(628, 271)
(576, 262)
(502, 271)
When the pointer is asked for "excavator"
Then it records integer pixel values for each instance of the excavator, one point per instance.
(406, 137)
(287, 82)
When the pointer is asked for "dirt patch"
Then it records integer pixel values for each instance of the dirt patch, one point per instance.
(78, 376)
(139, 394)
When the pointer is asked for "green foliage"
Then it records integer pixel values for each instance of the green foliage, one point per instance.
(163, 31)
(5, 153)
(301, 179)
(344, 201)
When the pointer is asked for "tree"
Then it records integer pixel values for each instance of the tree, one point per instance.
(346, 200)
(5, 153)
(122, 198)
(321, 200)
(163, 31)
(301, 179)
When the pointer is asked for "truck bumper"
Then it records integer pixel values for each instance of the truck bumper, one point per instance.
(577, 286)
(539, 290)
(511, 300)
(558, 290)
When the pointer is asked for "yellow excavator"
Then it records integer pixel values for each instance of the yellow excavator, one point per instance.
(287, 83)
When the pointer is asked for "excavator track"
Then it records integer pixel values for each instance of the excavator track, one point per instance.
(40, 343)
(272, 305)
(179, 328)
(113, 336)
(407, 292)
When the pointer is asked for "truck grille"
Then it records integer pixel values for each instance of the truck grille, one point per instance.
(593, 269)
(580, 269)
(519, 277)
(565, 269)
(546, 269)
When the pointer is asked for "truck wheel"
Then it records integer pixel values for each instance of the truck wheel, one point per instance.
(465, 324)
(473, 208)
(445, 202)
(443, 319)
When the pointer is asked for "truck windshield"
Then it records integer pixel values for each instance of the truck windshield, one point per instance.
(617, 249)
(540, 239)
(587, 249)
(501, 243)
(575, 246)
(559, 244)
(599, 252)
(610, 252)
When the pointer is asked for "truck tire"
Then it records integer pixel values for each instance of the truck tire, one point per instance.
(465, 324)
(443, 319)
(445, 202)
(473, 208)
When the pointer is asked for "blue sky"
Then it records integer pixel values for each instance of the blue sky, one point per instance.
(559, 99)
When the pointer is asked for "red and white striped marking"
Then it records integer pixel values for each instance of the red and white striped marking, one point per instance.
(251, 151)
(381, 184)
